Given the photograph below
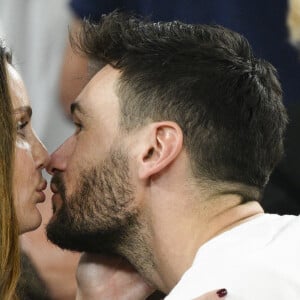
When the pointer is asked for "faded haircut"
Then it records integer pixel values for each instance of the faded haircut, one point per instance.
(205, 78)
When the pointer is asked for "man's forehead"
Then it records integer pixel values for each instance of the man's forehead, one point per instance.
(99, 92)
(106, 75)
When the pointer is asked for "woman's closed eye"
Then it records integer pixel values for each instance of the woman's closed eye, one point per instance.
(22, 118)
(78, 127)
(21, 128)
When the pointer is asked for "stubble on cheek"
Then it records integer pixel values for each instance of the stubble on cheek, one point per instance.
(105, 196)
(102, 206)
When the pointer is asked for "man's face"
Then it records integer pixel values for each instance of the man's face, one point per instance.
(93, 194)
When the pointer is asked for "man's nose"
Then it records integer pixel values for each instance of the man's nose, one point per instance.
(59, 158)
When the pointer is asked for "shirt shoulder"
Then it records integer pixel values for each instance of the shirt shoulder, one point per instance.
(257, 260)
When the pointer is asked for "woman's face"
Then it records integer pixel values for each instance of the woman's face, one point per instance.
(30, 158)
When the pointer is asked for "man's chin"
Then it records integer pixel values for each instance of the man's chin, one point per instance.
(70, 242)
(66, 237)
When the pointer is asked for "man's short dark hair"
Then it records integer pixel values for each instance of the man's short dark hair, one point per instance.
(205, 78)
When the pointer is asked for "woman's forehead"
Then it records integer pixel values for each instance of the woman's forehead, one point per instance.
(17, 89)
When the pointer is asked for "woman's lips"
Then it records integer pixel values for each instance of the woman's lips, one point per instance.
(42, 197)
(40, 189)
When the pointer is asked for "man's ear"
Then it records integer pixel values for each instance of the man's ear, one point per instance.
(162, 144)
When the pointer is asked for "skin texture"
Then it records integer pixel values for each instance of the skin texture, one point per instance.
(106, 277)
(116, 279)
(95, 228)
(157, 169)
(58, 267)
(30, 158)
(87, 133)
(94, 175)
(191, 113)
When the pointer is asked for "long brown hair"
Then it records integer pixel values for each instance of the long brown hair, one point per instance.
(9, 245)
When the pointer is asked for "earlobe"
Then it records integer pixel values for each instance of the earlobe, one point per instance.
(162, 148)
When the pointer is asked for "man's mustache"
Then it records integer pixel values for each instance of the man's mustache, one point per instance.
(59, 184)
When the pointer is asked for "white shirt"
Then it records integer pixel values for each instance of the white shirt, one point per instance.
(257, 260)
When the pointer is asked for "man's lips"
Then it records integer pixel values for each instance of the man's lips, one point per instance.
(56, 202)
(53, 188)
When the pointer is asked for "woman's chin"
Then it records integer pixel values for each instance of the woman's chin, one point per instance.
(30, 223)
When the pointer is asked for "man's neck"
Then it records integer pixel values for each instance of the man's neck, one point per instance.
(183, 231)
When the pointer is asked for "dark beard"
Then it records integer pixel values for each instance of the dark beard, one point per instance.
(96, 217)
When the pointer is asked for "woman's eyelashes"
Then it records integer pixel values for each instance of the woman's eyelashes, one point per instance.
(78, 127)
(21, 128)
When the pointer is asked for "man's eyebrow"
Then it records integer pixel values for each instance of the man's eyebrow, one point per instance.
(23, 109)
(94, 67)
(75, 106)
